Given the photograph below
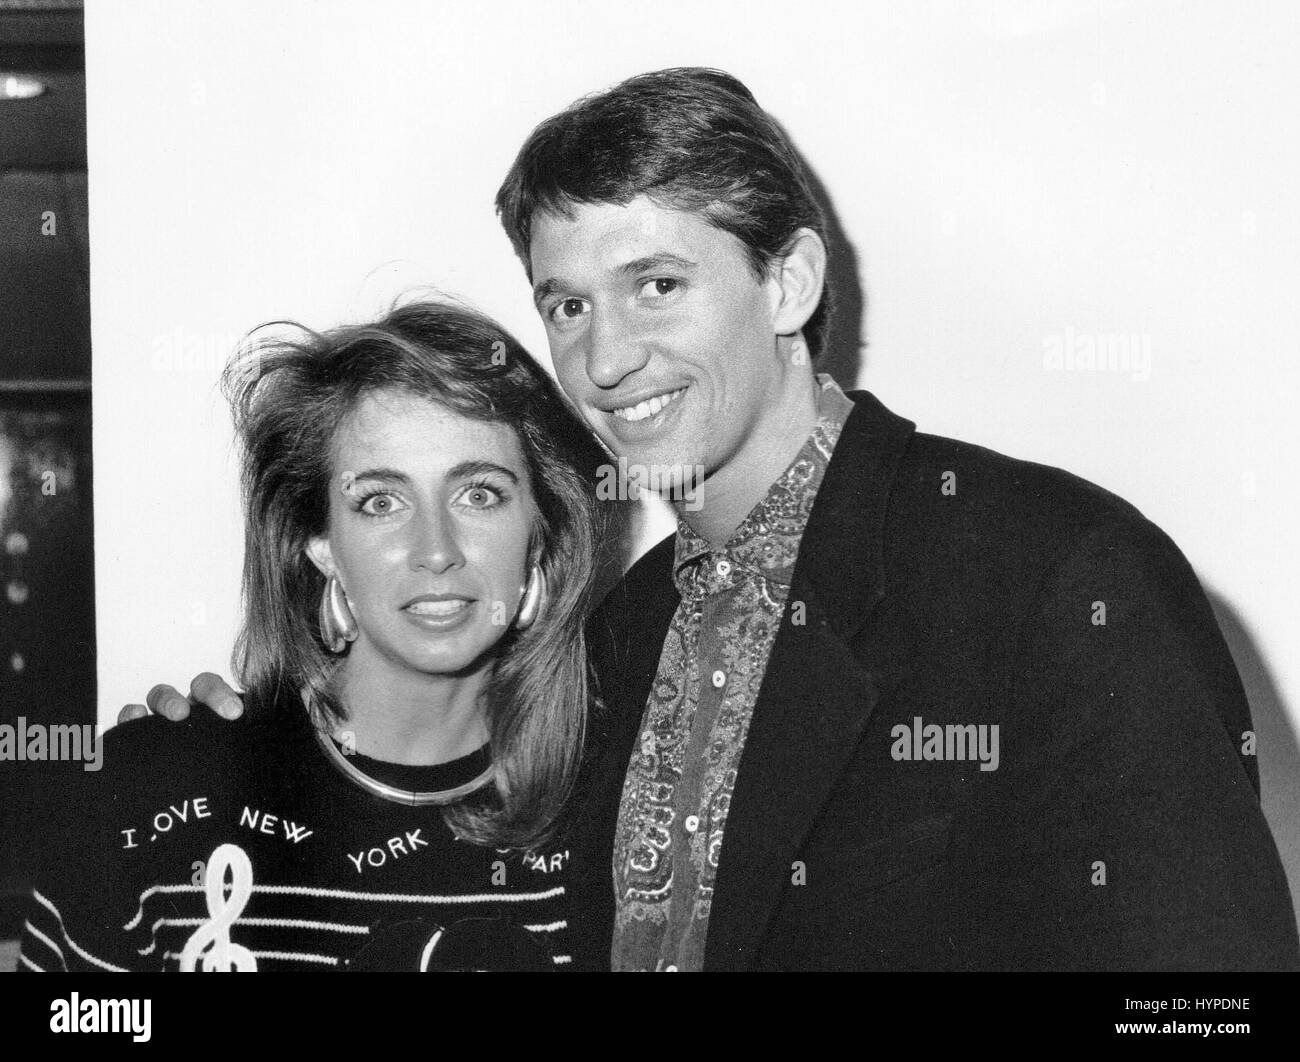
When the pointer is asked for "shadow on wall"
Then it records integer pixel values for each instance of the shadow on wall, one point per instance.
(1279, 751)
(845, 348)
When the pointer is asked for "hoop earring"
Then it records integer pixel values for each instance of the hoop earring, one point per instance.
(337, 624)
(533, 595)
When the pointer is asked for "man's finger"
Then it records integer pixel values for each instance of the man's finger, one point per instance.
(132, 711)
(213, 691)
(165, 700)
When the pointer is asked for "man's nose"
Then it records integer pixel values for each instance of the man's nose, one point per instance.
(615, 349)
(435, 543)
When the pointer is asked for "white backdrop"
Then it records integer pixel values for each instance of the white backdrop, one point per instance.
(1018, 181)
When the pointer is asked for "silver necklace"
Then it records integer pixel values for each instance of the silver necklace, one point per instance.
(408, 797)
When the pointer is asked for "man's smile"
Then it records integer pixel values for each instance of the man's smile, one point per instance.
(647, 407)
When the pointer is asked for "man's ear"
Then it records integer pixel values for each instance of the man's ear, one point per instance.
(318, 552)
(799, 276)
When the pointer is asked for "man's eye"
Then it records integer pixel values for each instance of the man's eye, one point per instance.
(658, 287)
(568, 309)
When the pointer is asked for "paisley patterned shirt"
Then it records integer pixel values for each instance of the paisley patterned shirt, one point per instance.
(683, 769)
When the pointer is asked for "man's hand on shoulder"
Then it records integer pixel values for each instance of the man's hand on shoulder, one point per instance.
(207, 689)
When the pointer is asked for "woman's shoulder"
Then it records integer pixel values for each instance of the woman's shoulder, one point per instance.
(203, 746)
(151, 764)
(155, 735)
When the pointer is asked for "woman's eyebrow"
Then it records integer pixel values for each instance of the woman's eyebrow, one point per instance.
(457, 471)
(474, 468)
(388, 474)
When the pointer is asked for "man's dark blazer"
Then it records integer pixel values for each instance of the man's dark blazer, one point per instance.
(1122, 827)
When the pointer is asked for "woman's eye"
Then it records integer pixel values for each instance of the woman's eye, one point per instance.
(659, 286)
(568, 309)
(481, 497)
(379, 505)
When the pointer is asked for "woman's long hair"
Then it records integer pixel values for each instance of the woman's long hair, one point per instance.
(289, 397)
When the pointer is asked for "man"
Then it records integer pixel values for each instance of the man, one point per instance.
(885, 700)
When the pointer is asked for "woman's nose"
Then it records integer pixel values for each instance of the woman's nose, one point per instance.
(435, 543)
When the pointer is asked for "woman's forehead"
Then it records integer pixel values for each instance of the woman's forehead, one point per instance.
(424, 433)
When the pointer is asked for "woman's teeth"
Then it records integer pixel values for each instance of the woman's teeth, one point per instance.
(438, 608)
(649, 407)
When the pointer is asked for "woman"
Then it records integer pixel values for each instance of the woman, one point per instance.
(420, 542)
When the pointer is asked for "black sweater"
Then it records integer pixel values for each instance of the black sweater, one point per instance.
(318, 874)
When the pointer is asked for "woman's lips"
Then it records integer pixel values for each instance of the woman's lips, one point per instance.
(440, 608)
(440, 613)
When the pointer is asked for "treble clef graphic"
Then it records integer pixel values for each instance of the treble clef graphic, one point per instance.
(212, 939)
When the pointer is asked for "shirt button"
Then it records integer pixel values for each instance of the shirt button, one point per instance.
(692, 823)
(719, 679)
(724, 568)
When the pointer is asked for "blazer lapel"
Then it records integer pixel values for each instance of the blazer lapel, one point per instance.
(626, 636)
(625, 639)
(816, 695)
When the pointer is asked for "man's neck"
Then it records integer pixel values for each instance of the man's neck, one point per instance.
(732, 492)
(404, 716)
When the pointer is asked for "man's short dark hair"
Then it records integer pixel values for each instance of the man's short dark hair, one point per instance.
(689, 138)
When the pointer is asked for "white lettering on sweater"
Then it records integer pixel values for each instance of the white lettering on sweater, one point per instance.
(265, 822)
(394, 847)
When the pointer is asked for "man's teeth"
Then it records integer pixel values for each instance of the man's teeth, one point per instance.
(649, 407)
(438, 608)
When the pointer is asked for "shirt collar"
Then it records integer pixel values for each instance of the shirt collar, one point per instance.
(767, 540)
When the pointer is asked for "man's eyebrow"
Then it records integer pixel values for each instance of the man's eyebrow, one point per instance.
(651, 262)
(646, 264)
(474, 468)
(547, 288)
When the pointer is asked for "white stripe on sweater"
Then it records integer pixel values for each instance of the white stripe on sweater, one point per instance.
(350, 894)
(72, 943)
(287, 923)
(286, 956)
(45, 940)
